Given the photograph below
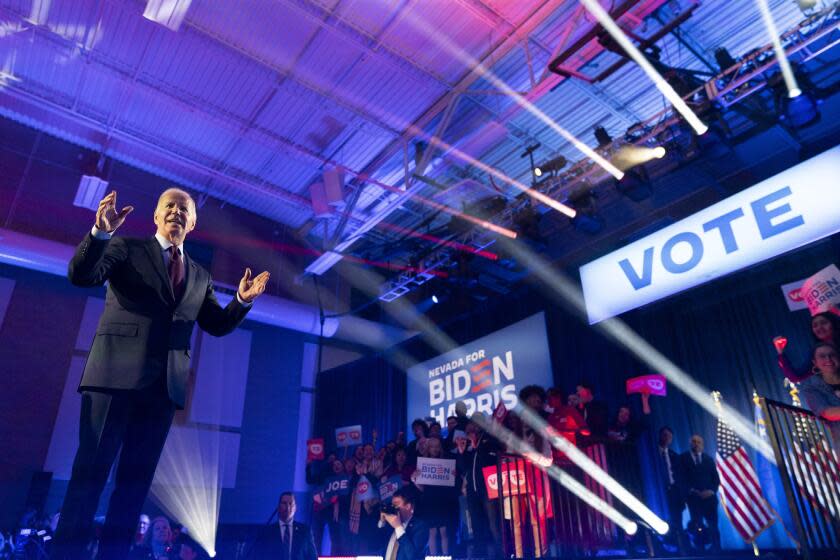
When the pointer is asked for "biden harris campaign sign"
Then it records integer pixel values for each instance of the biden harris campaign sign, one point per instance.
(780, 214)
(482, 373)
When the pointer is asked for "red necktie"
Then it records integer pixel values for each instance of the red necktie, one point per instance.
(176, 272)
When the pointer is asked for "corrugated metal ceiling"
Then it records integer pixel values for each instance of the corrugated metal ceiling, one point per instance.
(270, 91)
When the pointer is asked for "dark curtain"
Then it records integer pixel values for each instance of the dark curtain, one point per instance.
(369, 391)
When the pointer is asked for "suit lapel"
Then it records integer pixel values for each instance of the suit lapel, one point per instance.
(156, 257)
(192, 272)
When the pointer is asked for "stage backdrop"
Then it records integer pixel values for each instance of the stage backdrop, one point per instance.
(481, 373)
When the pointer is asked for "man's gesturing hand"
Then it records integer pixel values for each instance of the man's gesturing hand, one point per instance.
(250, 288)
(107, 217)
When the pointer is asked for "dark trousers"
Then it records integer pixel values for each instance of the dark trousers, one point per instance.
(676, 505)
(135, 424)
(705, 509)
(484, 515)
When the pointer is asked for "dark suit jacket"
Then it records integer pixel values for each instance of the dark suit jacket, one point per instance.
(698, 477)
(413, 542)
(143, 332)
(269, 544)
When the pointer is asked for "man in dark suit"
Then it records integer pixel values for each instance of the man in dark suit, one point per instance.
(699, 479)
(289, 540)
(669, 470)
(410, 535)
(137, 369)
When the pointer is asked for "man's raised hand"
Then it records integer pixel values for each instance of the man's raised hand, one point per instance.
(250, 288)
(107, 217)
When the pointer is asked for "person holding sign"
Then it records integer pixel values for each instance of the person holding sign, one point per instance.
(825, 328)
(822, 391)
(438, 503)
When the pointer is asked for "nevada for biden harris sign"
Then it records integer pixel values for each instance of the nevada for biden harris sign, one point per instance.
(780, 214)
(482, 373)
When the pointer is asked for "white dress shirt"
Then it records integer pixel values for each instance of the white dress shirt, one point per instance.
(395, 536)
(290, 527)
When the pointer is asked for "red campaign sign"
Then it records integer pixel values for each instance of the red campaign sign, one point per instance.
(652, 384)
(513, 480)
(315, 449)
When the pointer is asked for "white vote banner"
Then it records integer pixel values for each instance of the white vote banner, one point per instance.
(435, 472)
(787, 211)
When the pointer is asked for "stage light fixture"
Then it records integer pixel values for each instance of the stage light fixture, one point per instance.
(799, 111)
(724, 59)
(551, 166)
(659, 152)
(435, 299)
(603, 137)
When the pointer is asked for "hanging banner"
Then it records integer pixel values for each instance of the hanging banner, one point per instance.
(821, 291)
(780, 214)
(484, 373)
(435, 472)
(348, 436)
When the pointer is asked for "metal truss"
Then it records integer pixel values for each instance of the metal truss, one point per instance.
(813, 36)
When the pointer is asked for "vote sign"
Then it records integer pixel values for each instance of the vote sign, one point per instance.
(780, 214)
(348, 436)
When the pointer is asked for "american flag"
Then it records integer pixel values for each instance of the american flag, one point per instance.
(741, 494)
(818, 471)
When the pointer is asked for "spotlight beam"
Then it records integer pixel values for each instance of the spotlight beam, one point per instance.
(512, 441)
(591, 468)
(435, 142)
(479, 68)
(784, 63)
(615, 31)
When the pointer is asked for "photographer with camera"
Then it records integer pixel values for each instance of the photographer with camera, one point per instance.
(410, 535)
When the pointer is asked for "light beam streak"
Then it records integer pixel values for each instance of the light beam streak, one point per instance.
(784, 64)
(526, 450)
(615, 31)
(591, 468)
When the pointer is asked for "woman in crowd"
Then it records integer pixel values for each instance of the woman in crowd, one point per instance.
(626, 428)
(157, 544)
(438, 504)
(825, 327)
(821, 392)
(400, 466)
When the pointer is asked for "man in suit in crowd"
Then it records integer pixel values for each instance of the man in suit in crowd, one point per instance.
(138, 366)
(700, 481)
(410, 535)
(289, 540)
(670, 471)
